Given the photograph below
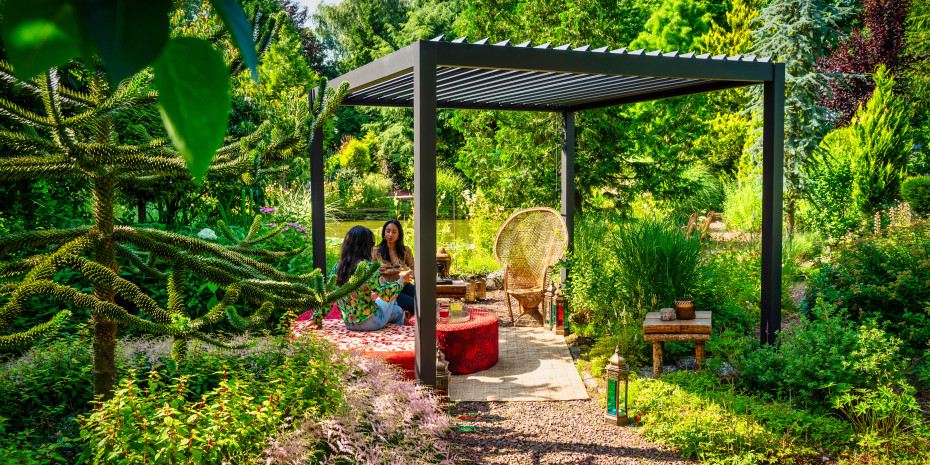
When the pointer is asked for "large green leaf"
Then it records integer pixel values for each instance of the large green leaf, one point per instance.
(194, 99)
(241, 30)
(127, 34)
(39, 34)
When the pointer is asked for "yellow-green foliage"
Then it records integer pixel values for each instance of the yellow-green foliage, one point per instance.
(716, 424)
(357, 153)
(875, 145)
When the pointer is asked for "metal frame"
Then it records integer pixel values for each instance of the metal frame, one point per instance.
(429, 75)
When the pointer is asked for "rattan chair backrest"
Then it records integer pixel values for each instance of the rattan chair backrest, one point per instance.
(530, 242)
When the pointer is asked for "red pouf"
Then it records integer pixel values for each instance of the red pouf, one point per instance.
(471, 346)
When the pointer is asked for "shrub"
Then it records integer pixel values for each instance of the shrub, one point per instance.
(702, 192)
(355, 154)
(715, 423)
(832, 211)
(881, 276)
(369, 190)
(916, 192)
(623, 269)
(824, 357)
(385, 420)
(449, 188)
(742, 206)
(153, 420)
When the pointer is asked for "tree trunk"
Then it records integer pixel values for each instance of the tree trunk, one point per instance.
(790, 208)
(105, 254)
(140, 208)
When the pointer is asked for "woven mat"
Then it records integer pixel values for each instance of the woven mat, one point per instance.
(534, 365)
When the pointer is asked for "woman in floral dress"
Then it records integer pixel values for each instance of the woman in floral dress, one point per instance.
(359, 311)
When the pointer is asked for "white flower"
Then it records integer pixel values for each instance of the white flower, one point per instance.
(207, 233)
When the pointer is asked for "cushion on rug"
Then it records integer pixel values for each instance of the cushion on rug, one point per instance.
(392, 343)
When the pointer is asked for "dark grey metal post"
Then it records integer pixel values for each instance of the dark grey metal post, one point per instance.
(568, 181)
(773, 153)
(424, 182)
(318, 209)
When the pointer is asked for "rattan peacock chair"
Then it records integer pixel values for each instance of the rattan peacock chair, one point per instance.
(528, 245)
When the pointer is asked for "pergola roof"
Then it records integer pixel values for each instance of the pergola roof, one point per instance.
(524, 77)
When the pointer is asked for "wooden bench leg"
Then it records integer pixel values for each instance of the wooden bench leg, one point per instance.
(699, 353)
(657, 358)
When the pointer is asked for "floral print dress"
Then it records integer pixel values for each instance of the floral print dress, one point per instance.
(357, 307)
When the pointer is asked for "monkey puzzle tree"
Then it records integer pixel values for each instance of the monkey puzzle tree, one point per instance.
(67, 132)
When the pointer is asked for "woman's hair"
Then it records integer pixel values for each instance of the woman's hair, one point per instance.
(356, 247)
(399, 245)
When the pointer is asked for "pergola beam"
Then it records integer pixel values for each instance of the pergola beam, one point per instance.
(317, 191)
(568, 182)
(773, 150)
(424, 215)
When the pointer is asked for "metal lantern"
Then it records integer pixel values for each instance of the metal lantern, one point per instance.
(443, 375)
(559, 303)
(547, 308)
(617, 372)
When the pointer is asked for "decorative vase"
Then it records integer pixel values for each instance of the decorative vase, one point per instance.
(667, 314)
(469, 290)
(684, 308)
(481, 288)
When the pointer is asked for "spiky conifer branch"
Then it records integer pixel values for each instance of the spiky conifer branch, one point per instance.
(68, 133)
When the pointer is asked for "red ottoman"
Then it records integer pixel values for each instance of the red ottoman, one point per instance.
(394, 344)
(470, 346)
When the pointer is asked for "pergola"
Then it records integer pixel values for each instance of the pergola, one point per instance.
(429, 75)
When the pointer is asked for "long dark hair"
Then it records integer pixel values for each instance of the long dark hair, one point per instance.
(356, 247)
(398, 246)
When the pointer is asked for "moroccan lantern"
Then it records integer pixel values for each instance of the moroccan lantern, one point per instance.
(618, 375)
(547, 308)
(559, 303)
(443, 375)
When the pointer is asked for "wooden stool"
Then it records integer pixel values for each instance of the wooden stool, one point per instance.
(658, 331)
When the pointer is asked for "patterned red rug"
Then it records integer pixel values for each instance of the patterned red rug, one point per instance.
(393, 343)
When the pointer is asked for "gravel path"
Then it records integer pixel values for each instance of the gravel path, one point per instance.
(545, 432)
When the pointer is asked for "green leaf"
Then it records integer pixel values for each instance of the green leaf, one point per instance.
(127, 34)
(39, 34)
(193, 96)
(238, 25)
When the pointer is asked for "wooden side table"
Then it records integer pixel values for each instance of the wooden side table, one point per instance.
(658, 331)
(456, 290)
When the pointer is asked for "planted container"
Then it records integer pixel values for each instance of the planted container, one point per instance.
(684, 308)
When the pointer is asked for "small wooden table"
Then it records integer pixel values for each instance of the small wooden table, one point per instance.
(658, 331)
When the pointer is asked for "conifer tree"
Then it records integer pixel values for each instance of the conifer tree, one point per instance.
(875, 146)
(798, 33)
(64, 132)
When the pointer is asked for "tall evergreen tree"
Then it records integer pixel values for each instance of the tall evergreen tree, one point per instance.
(798, 33)
(875, 146)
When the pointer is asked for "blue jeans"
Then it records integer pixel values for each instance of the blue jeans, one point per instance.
(388, 312)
